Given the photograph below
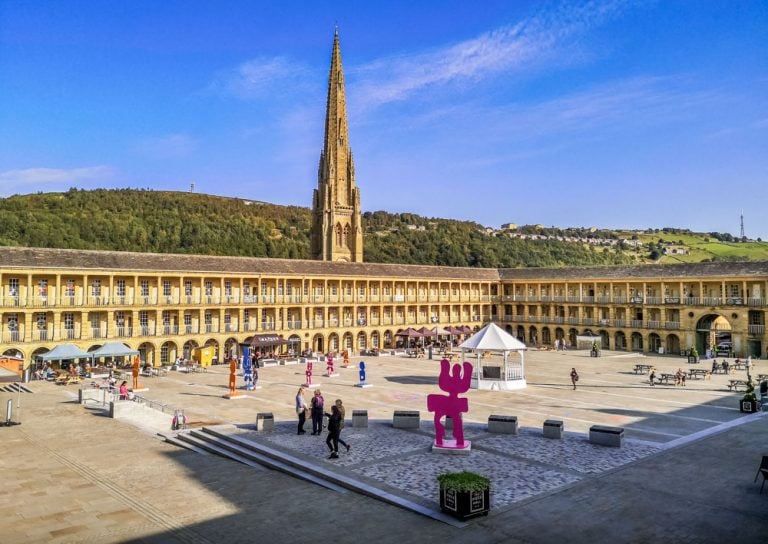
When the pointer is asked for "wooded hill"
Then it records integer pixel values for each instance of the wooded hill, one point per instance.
(191, 223)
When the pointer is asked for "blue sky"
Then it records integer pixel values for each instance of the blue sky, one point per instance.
(608, 114)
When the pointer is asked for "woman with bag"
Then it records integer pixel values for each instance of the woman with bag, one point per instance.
(316, 411)
(574, 377)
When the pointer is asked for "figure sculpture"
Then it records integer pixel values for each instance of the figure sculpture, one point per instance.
(248, 373)
(135, 372)
(232, 376)
(454, 382)
(308, 373)
(362, 372)
(329, 365)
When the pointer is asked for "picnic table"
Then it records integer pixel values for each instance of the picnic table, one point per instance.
(734, 385)
(700, 373)
(666, 376)
(643, 369)
(740, 365)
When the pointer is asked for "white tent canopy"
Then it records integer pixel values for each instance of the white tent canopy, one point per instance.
(63, 352)
(491, 374)
(113, 349)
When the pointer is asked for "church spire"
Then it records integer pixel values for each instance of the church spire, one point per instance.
(337, 227)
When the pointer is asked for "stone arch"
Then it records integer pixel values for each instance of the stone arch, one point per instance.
(338, 234)
(388, 339)
(605, 339)
(231, 348)
(559, 333)
(521, 333)
(318, 343)
(620, 341)
(509, 330)
(213, 343)
(168, 352)
(673, 344)
(362, 341)
(147, 352)
(572, 334)
(42, 351)
(546, 336)
(533, 335)
(375, 340)
(712, 328)
(14, 352)
(189, 345)
(654, 342)
(347, 342)
(636, 341)
(294, 343)
(333, 342)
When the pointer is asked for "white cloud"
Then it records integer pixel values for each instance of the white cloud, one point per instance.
(525, 45)
(49, 179)
(170, 146)
(259, 77)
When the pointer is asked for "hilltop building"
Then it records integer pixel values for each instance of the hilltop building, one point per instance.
(165, 306)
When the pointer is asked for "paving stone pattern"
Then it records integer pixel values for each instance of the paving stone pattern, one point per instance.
(519, 466)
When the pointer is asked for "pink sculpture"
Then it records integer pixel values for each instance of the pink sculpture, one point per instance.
(329, 365)
(454, 382)
(308, 373)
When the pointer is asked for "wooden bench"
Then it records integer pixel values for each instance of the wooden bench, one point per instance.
(643, 369)
(606, 436)
(665, 377)
(733, 385)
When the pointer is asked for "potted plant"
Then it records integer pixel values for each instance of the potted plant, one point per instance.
(749, 401)
(464, 494)
(693, 355)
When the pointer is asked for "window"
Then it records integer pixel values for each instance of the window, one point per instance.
(121, 288)
(120, 319)
(264, 288)
(96, 288)
(69, 289)
(361, 291)
(333, 290)
(187, 320)
(208, 318)
(348, 289)
(165, 354)
(338, 234)
(144, 286)
(13, 322)
(246, 288)
(166, 288)
(227, 318)
(288, 288)
(143, 318)
(69, 321)
(208, 288)
(13, 287)
(166, 317)
(42, 322)
(188, 288)
(345, 238)
(42, 288)
(228, 288)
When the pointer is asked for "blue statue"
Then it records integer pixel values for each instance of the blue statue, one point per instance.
(248, 373)
(362, 372)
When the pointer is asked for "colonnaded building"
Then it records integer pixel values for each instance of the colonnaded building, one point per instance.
(164, 306)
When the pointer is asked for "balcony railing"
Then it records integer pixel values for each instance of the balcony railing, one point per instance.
(756, 329)
(671, 324)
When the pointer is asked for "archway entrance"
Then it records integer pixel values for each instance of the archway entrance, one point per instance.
(713, 333)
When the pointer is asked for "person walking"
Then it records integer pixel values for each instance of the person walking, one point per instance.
(316, 411)
(123, 391)
(301, 410)
(574, 377)
(334, 428)
(343, 414)
(652, 376)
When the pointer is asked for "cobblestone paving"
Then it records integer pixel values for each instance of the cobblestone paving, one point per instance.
(573, 452)
(519, 466)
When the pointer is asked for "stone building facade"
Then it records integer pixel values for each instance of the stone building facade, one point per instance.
(164, 306)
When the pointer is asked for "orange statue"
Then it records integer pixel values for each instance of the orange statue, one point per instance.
(232, 378)
(136, 372)
(346, 358)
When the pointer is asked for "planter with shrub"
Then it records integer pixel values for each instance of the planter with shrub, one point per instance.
(464, 494)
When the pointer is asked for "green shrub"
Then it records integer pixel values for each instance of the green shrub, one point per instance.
(463, 481)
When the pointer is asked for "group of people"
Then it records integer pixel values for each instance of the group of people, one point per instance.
(316, 410)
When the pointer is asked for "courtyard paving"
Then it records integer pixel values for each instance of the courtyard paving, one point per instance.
(684, 475)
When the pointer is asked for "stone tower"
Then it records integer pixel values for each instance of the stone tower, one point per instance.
(337, 230)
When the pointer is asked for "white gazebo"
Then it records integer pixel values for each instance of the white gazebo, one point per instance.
(490, 373)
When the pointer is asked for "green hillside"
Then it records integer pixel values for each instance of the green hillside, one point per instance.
(191, 223)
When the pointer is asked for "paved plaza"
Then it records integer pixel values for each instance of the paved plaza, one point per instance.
(684, 474)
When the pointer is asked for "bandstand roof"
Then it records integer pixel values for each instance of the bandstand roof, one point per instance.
(493, 337)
